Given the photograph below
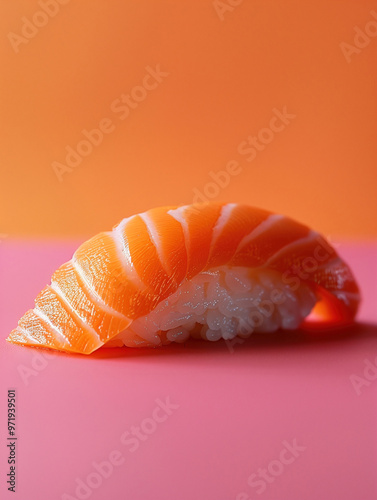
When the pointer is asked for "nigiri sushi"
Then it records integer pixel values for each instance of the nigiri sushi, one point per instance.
(211, 271)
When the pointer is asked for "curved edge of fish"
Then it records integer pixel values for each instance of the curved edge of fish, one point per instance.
(120, 275)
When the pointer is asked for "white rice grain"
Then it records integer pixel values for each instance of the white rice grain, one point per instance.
(224, 303)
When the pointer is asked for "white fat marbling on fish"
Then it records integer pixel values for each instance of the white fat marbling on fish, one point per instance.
(124, 253)
(53, 327)
(311, 236)
(54, 286)
(93, 295)
(156, 240)
(178, 215)
(264, 226)
(225, 214)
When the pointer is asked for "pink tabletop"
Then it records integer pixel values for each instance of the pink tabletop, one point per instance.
(282, 417)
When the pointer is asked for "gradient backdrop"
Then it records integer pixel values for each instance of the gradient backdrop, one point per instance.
(108, 108)
(224, 67)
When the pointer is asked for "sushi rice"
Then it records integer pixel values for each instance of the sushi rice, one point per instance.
(223, 303)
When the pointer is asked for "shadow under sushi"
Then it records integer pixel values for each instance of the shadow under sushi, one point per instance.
(323, 338)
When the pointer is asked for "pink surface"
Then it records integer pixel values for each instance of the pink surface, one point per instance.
(234, 412)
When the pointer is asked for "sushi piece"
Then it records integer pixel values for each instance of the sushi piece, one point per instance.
(211, 271)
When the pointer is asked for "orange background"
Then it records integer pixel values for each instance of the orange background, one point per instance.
(225, 78)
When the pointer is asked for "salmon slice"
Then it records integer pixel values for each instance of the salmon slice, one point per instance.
(120, 277)
(234, 223)
(66, 322)
(313, 260)
(146, 260)
(98, 261)
(38, 331)
(87, 306)
(168, 237)
(198, 223)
